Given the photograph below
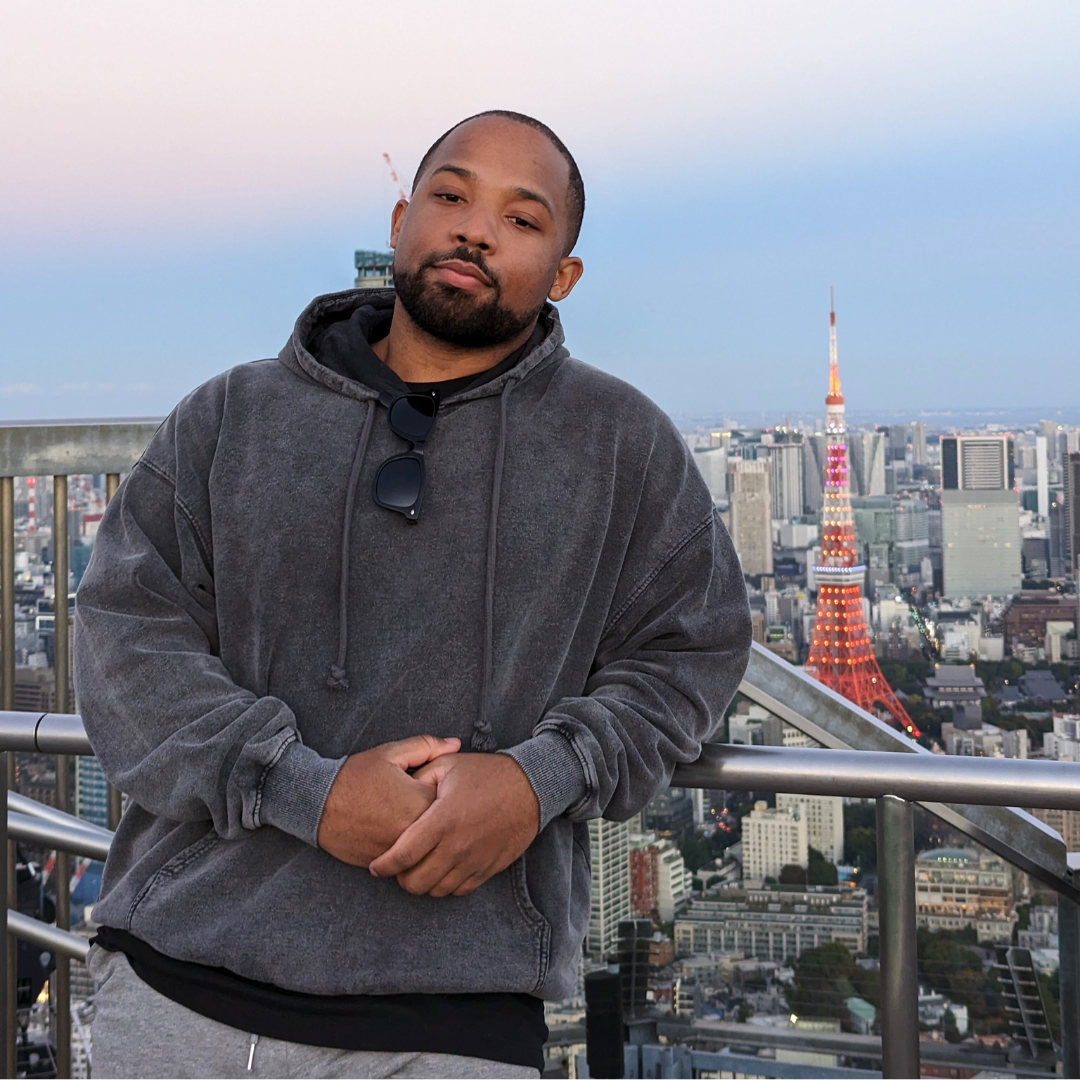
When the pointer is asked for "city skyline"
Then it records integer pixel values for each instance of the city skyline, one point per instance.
(184, 209)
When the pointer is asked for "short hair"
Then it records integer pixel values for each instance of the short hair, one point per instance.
(575, 195)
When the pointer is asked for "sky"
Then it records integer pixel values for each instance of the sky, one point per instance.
(179, 180)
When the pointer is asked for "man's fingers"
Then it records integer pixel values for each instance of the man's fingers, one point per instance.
(451, 881)
(419, 750)
(472, 882)
(427, 873)
(417, 841)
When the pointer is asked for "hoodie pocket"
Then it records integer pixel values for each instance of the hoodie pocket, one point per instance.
(183, 859)
(273, 909)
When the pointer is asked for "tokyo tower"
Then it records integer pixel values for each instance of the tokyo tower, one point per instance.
(840, 652)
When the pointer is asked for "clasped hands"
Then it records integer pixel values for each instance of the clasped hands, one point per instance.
(440, 821)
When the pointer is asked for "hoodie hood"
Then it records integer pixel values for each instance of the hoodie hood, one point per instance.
(297, 354)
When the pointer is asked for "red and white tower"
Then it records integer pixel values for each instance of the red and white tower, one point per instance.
(841, 655)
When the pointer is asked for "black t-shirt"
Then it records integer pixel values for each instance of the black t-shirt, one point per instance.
(344, 346)
(498, 1027)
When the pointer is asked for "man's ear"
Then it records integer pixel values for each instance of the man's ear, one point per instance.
(396, 218)
(566, 277)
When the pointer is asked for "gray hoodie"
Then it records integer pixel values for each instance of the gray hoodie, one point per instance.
(250, 618)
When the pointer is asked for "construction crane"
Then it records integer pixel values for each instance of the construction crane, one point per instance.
(394, 178)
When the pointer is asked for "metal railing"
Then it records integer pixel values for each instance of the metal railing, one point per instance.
(979, 797)
(59, 449)
(895, 782)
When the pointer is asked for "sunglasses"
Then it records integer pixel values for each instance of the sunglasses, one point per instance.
(399, 482)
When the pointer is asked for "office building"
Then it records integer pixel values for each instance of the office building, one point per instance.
(980, 517)
(958, 887)
(824, 816)
(772, 925)
(918, 443)
(750, 514)
(91, 792)
(773, 839)
(786, 475)
(374, 269)
(712, 463)
(609, 846)
(1071, 478)
(867, 451)
(659, 880)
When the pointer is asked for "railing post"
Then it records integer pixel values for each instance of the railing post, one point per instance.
(116, 806)
(8, 982)
(898, 951)
(1068, 978)
(62, 669)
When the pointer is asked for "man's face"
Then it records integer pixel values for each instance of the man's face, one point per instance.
(480, 245)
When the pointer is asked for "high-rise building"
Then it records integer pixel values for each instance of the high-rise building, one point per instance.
(609, 846)
(1042, 474)
(841, 655)
(980, 516)
(866, 452)
(712, 464)
(1049, 430)
(786, 475)
(897, 442)
(750, 514)
(91, 792)
(918, 443)
(773, 839)
(824, 815)
(1071, 463)
(374, 269)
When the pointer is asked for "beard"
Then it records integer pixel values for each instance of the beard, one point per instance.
(454, 315)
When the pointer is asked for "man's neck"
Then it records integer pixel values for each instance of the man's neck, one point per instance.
(417, 357)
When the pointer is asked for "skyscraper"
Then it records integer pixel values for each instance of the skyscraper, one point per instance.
(750, 514)
(609, 844)
(918, 443)
(786, 475)
(1072, 510)
(840, 652)
(980, 516)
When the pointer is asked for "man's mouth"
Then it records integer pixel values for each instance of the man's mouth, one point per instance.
(463, 275)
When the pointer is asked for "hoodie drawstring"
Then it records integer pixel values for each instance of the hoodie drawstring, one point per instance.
(482, 740)
(338, 679)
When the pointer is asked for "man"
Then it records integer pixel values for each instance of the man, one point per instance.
(421, 595)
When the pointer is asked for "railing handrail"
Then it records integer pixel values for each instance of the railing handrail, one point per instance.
(869, 774)
(72, 447)
(866, 774)
(47, 936)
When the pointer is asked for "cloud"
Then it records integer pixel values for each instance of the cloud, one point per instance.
(19, 388)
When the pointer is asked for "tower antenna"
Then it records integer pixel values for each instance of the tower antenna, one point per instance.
(394, 177)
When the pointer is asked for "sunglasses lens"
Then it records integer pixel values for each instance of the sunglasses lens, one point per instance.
(398, 483)
(411, 417)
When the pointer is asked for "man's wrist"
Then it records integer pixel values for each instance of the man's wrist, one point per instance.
(554, 771)
(295, 789)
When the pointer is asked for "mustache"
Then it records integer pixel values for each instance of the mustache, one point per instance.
(463, 254)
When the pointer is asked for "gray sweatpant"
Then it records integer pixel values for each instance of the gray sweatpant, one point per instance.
(138, 1032)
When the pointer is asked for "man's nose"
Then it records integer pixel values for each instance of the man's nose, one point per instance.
(477, 230)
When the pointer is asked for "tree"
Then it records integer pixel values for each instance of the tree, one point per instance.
(823, 980)
(792, 874)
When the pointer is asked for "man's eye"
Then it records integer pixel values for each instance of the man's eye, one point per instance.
(448, 196)
(522, 221)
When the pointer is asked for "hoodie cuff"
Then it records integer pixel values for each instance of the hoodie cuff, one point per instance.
(553, 769)
(294, 791)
